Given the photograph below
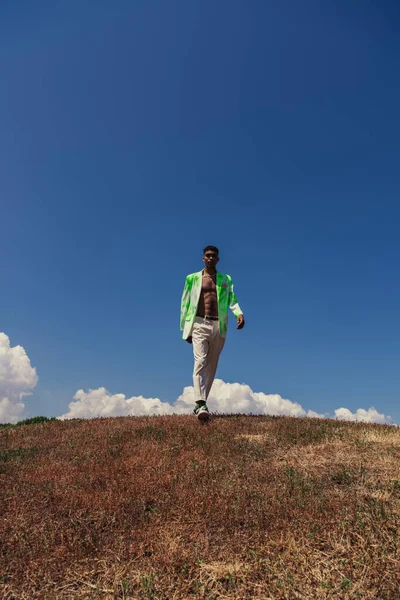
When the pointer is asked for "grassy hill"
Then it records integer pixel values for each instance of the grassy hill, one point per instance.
(165, 508)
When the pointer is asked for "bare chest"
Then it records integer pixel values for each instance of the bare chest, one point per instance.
(208, 284)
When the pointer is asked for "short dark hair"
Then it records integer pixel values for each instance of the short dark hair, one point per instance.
(212, 248)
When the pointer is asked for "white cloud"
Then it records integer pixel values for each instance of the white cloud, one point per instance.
(314, 415)
(17, 379)
(240, 398)
(100, 403)
(224, 398)
(366, 416)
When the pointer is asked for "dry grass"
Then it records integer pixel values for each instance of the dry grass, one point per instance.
(164, 508)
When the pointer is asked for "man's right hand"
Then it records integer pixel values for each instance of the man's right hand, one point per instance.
(189, 339)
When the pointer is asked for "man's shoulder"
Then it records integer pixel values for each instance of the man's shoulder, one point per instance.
(195, 275)
(198, 274)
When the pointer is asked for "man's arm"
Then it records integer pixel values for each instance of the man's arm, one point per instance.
(235, 308)
(185, 303)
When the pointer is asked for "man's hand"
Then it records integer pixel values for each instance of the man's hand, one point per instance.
(189, 339)
(240, 322)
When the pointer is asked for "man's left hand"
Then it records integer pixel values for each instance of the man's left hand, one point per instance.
(240, 322)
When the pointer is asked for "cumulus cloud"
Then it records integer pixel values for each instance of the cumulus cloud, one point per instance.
(224, 398)
(366, 416)
(17, 379)
(100, 403)
(240, 398)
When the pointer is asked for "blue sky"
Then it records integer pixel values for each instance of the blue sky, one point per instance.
(134, 134)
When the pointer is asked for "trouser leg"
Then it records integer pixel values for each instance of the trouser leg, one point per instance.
(216, 344)
(201, 335)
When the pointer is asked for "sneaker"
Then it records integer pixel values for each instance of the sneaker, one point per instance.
(202, 413)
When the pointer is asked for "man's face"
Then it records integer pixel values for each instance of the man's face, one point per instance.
(210, 259)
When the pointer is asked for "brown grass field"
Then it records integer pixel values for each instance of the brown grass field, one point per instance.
(165, 508)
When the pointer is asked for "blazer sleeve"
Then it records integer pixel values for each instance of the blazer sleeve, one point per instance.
(233, 302)
(185, 302)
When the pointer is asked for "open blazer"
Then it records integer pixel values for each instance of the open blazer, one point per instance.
(190, 299)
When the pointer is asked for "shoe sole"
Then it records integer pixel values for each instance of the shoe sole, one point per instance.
(203, 416)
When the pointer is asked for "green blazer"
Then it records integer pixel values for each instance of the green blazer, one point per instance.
(190, 300)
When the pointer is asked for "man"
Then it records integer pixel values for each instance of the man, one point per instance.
(207, 295)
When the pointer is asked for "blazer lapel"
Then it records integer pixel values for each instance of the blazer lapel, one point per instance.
(218, 282)
(196, 290)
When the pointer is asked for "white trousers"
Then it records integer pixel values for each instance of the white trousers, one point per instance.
(207, 346)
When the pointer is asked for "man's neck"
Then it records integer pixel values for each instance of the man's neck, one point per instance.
(210, 272)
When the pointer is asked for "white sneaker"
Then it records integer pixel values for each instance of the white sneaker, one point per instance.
(202, 413)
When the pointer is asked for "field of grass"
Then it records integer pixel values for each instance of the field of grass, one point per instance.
(165, 508)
